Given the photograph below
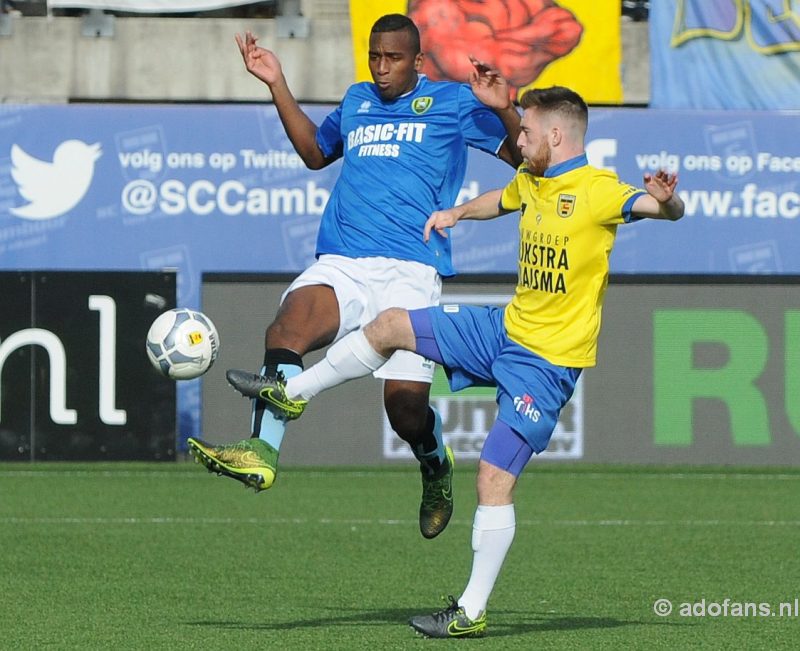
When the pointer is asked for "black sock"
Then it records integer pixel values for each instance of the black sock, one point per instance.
(273, 357)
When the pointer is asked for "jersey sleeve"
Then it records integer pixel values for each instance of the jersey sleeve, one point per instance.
(510, 199)
(481, 126)
(612, 199)
(329, 134)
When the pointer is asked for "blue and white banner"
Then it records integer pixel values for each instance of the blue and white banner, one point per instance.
(220, 189)
(725, 54)
(739, 175)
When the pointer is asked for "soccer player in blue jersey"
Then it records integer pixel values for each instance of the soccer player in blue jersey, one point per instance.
(534, 349)
(404, 142)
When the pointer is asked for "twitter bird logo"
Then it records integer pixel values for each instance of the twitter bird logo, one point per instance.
(53, 188)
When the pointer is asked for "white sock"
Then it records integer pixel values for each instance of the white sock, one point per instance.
(492, 533)
(349, 358)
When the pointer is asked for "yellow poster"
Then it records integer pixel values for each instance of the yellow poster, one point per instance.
(593, 68)
(539, 43)
(363, 14)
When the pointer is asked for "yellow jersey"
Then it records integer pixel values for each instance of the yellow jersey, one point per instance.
(568, 222)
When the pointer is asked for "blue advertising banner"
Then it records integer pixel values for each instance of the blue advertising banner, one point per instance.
(220, 189)
(739, 176)
(725, 54)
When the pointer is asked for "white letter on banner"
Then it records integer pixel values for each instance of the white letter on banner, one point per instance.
(173, 201)
(59, 413)
(107, 398)
(228, 188)
(601, 153)
(193, 197)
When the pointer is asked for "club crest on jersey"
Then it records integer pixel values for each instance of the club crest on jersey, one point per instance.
(421, 104)
(566, 204)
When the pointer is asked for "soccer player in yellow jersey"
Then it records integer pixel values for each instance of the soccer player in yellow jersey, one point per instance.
(534, 349)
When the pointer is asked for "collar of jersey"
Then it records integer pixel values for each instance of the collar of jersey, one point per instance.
(566, 166)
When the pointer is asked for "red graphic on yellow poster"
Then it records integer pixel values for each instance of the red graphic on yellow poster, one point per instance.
(534, 43)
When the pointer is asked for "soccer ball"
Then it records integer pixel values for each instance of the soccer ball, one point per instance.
(182, 344)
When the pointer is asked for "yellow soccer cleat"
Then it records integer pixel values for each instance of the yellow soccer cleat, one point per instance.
(252, 461)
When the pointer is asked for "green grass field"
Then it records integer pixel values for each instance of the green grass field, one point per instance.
(166, 556)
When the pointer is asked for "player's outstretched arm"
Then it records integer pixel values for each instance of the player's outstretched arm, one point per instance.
(302, 132)
(260, 62)
(661, 200)
(491, 88)
(485, 206)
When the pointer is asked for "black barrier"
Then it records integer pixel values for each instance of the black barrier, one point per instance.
(75, 382)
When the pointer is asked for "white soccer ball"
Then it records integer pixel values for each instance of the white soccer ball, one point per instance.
(182, 344)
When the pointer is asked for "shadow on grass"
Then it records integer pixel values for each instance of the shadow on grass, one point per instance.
(336, 618)
(526, 621)
(522, 622)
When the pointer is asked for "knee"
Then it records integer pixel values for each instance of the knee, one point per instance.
(390, 318)
(391, 330)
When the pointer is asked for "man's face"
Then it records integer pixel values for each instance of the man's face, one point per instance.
(533, 142)
(393, 63)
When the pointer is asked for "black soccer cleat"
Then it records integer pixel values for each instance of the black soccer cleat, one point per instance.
(270, 390)
(436, 506)
(449, 622)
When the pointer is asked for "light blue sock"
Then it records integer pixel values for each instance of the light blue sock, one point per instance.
(426, 457)
(263, 424)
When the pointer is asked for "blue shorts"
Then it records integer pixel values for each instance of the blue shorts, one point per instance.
(471, 343)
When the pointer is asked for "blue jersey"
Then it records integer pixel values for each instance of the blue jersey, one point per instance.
(403, 159)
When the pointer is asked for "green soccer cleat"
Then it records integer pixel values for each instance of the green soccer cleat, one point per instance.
(436, 506)
(252, 461)
(271, 390)
(450, 622)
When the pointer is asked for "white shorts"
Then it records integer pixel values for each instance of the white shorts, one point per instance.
(365, 287)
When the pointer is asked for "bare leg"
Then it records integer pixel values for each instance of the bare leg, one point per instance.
(390, 331)
(358, 354)
(492, 534)
(307, 319)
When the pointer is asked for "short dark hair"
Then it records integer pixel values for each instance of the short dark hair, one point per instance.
(556, 99)
(396, 23)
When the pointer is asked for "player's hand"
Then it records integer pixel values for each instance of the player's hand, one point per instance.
(439, 221)
(260, 62)
(661, 185)
(489, 86)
